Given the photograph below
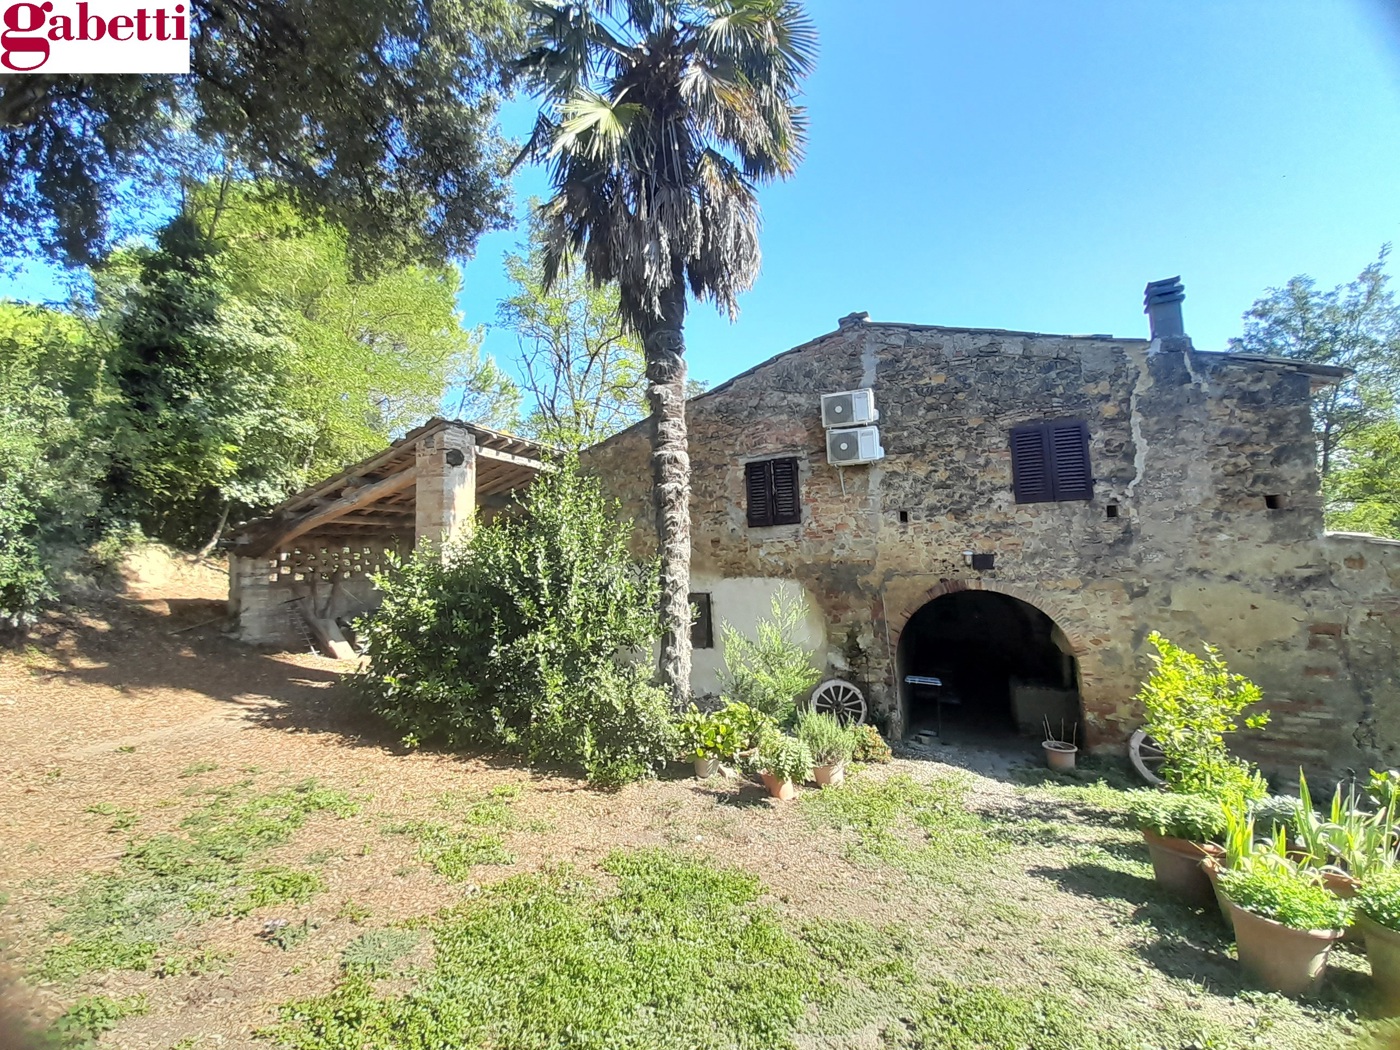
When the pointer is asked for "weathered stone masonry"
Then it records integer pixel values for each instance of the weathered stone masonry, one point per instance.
(1192, 448)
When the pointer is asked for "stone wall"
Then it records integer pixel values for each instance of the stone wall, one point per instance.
(1186, 446)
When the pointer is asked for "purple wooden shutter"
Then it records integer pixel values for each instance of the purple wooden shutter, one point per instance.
(756, 486)
(787, 503)
(1030, 464)
(1069, 455)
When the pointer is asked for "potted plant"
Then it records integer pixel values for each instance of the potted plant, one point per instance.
(830, 744)
(1060, 752)
(783, 762)
(705, 738)
(1377, 905)
(749, 725)
(1180, 831)
(1286, 921)
(870, 746)
(1351, 843)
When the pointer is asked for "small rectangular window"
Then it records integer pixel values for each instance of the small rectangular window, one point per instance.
(702, 631)
(772, 492)
(1050, 462)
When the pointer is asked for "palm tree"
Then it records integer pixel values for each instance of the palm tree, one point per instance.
(658, 120)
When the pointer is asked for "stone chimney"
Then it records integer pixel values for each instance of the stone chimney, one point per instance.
(1162, 305)
(859, 317)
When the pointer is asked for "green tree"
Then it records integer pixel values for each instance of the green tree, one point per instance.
(198, 426)
(377, 116)
(370, 357)
(250, 359)
(659, 119)
(581, 369)
(1354, 326)
(52, 451)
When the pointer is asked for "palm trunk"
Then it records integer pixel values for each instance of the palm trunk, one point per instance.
(670, 463)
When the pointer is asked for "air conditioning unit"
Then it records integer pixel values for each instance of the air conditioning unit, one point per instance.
(849, 408)
(845, 448)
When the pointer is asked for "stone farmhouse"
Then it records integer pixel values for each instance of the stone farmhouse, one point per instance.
(1008, 513)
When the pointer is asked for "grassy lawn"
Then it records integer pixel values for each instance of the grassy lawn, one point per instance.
(919, 906)
(204, 849)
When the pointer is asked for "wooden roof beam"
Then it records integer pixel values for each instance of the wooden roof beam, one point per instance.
(357, 498)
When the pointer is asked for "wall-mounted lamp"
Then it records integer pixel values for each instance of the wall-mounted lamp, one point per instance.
(967, 557)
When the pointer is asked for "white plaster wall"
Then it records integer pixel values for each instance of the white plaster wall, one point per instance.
(741, 603)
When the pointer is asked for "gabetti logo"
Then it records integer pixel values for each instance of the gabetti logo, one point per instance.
(94, 36)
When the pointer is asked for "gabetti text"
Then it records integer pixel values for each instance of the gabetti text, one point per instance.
(34, 33)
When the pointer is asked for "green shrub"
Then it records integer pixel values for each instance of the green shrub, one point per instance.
(1196, 818)
(770, 671)
(830, 742)
(719, 734)
(521, 639)
(869, 746)
(1191, 703)
(784, 757)
(1379, 899)
(24, 586)
(1286, 894)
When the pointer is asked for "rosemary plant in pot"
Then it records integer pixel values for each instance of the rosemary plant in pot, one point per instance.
(830, 743)
(1286, 921)
(1180, 831)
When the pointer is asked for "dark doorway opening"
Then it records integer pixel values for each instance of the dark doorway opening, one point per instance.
(1003, 664)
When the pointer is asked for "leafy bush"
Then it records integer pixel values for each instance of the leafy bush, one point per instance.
(1274, 810)
(529, 638)
(784, 757)
(1191, 703)
(1288, 895)
(771, 671)
(24, 585)
(719, 734)
(829, 741)
(869, 745)
(1379, 899)
(1196, 818)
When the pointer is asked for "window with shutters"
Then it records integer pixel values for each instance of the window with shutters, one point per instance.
(702, 630)
(771, 488)
(1050, 462)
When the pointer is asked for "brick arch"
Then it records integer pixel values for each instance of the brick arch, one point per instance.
(1045, 603)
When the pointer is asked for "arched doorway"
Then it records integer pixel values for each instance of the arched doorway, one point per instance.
(1004, 667)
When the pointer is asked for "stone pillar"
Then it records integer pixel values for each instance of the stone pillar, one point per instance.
(253, 610)
(445, 492)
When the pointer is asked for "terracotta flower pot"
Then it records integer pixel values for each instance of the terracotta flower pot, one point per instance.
(1213, 867)
(1059, 754)
(782, 790)
(1279, 957)
(1177, 865)
(833, 775)
(706, 767)
(1383, 950)
(1344, 886)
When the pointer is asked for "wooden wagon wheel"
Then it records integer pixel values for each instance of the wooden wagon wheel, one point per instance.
(1147, 757)
(841, 699)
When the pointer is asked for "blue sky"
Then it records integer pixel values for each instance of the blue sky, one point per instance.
(1029, 165)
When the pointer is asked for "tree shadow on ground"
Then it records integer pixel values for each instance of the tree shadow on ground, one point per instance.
(738, 792)
(151, 645)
